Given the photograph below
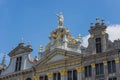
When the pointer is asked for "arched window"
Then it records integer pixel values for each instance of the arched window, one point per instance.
(28, 79)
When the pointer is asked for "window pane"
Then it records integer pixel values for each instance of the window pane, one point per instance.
(98, 45)
(101, 68)
(74, 75)
(86, 72)
(54, 76)
(69, 75)
(41, 78)
(46, 78)
(90, 71)
(59, 76)
(97, 69)
(113, 66)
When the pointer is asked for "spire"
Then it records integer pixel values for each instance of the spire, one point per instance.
(103, 22)
(28, 42)
(3, 60)
(91, 24)
(60, 20)
(40, 48)
(22, 40)
(97, 21)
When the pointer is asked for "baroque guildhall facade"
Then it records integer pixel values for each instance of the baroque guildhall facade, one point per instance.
(65, 58)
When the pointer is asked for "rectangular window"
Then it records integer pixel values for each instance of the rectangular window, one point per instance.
(113, 78)
(98, 45)
(46, 77)
(18, 63)
(88, 71)
(69, 75)
(99, 69)
(41, 78)
(56, 76)
(59, 76)
(111, 66)
(72, 75)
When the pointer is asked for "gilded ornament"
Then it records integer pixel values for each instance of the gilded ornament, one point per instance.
(116, 60)
(50, 74)
(103, 32)
(80, 69)
(63, 72)
(91, 35)
(93, 65)
(79, 36)
(105, 63)
(35, 77)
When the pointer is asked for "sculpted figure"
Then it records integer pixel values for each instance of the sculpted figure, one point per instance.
(60, 19)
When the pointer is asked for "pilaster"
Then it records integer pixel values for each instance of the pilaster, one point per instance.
(80, 72)
(105, 63)
(117, 62)
(63, 74)
(50, 75)
(93, 71)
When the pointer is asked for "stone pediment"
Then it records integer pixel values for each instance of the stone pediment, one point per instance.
(20, 49)
(56, 56)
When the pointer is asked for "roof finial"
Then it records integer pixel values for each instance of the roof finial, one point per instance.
(97, 20)
(60, 20)
(91, 24)
(22, 40)
(28, 42)
(103, 21)
(79, 37)
(3, 60)
(40, 48)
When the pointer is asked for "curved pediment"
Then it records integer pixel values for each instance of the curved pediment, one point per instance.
(20, 49)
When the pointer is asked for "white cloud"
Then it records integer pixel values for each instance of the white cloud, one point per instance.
(85, 40)
(112, 30)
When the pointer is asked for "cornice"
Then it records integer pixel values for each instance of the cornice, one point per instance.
(23, 72)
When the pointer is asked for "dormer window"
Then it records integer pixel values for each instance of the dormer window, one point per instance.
(18, 63)
(98, 45)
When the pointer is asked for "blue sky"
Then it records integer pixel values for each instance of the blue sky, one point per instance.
(33, 20)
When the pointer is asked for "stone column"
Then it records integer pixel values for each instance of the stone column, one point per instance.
(117, 62)
(63, 74)
(105, 69)
(80, 74)
(50, 75)
(93, 71)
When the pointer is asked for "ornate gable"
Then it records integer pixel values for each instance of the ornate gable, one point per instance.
(20, 49)
(56, 55)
